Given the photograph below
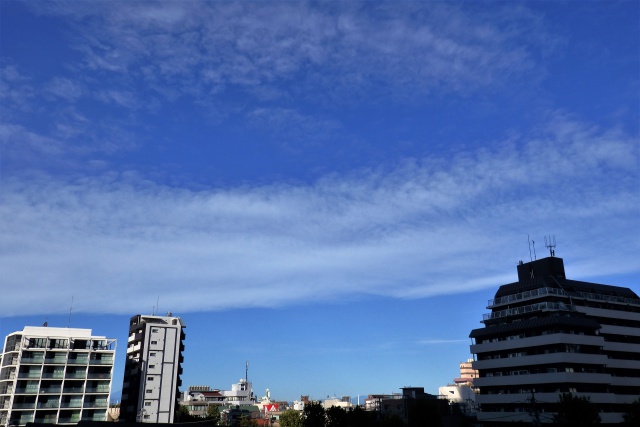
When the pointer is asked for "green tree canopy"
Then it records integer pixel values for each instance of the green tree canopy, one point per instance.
(290, 418)
(337, 417)
(576, 411)
(313, 415)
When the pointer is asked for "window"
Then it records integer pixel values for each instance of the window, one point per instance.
(149, 390)
(149, 378)
(152, 366)
(154, 342)
(152, 354)
(154, 330)
(147, 403)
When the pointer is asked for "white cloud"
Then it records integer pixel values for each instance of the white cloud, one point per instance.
(425, 228)
(404, 49)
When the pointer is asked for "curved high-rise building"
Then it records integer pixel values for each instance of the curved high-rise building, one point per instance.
(547, 335)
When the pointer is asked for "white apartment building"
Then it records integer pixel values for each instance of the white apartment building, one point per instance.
(152, 369)
(547, 335)
(55, 375)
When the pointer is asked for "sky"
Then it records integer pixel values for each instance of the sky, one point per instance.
(330, 191)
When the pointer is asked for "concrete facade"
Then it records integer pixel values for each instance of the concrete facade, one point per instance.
(55, 375)
(152, 369)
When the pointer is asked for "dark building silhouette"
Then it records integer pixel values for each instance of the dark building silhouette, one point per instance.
(547, 335)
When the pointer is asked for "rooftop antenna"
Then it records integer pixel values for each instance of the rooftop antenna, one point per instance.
(550, 244)
(534, 250)
(70, 307)
(155, 307)
(246, 372)
(529, 240)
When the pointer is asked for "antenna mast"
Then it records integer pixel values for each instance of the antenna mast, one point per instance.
(550, 244)
(529, 240)
(70, 307)
(246, 372)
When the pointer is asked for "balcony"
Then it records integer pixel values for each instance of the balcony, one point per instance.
(532, 308)
(56, 361)
(72, 404)
(524, 296)
(99, 376)
(73, 390)
(56, 375)
(536, 341)
(96, 404)
(29, 374)
(78, 361)
(30, 390)
(49, 405)
(97, 390)
(72, 420)
(101, 362)
(24, 405)
(75, 375)
(32, 360)
(540, 359)
(50, 390)
(547, 378)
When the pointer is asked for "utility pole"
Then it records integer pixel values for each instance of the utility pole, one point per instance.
(533, 411)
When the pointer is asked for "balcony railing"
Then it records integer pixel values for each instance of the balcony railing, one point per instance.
(78, 361)
(53, 375)
(97, 390)
(535, 293)
(32, 360)
(24, 405)
(98, 376)
(609, 298)
(72, 404)
(29, 375)
(50, 390)
(76, 375)
(72, 420)
(73, 390)
(96, 404)
(542, 306)
(26, 390)
(101, 362)
(50, 405)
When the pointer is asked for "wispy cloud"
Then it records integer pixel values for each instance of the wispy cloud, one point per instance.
(428, 227)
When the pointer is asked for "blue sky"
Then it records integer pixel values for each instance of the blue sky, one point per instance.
(329, 190)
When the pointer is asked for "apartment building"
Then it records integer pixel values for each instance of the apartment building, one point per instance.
(152, 369)
(547, 335)
(55, 375)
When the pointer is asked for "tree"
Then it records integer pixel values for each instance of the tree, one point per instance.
(337, 417)
(423, 412)
(246, 421)
(290, 418)
(576, 411)
(313, 415)
(213, 414)
(632, 415)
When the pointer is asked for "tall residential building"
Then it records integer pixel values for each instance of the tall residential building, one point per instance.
(547, 335)
(152, 369)
(55, 375)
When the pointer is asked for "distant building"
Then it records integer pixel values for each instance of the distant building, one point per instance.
(152, 369)
(55, 375)
(547, 335)
(461, 393)
(401, 404)
(344, 402)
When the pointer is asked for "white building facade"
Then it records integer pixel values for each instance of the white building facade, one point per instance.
(547, 335)
(55, 375)
(152, 369)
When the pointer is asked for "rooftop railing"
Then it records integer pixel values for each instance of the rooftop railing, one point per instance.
(521, 296)
(542, 306)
